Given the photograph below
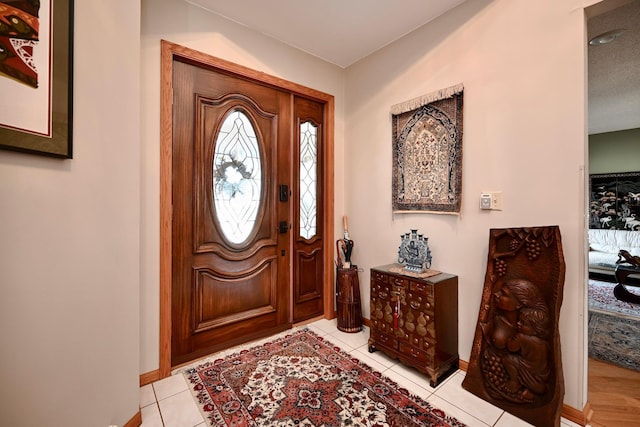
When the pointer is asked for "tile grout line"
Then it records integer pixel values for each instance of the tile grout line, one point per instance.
(157, 404)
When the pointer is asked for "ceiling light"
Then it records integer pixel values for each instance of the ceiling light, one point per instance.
(607, 37)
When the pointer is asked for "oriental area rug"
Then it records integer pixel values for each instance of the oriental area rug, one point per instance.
(299, 379)
(613, 327)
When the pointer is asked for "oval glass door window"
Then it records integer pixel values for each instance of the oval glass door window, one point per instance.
(308, 179)
(237, 176)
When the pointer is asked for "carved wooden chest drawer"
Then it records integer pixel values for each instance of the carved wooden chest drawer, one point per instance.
(415, 320)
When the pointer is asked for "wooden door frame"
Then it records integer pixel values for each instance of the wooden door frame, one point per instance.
(169, 52)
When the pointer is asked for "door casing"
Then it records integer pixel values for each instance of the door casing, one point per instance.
(169, 52)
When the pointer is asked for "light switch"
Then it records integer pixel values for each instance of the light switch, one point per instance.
(496, 200)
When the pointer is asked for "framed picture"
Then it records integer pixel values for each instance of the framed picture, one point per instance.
(615, 201)
(36, 76)
(427, 153)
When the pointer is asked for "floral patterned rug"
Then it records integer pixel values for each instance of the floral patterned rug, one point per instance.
(614, 339)
(601, 298)
(613, 327)
(299, 379)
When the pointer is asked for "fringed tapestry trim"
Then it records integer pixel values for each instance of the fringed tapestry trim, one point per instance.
(418, 102)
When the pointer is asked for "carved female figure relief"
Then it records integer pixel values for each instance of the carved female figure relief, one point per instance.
(504, 321)
(516, 355)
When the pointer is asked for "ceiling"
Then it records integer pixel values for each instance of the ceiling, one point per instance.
(614, 68)
(338, 31)
(343, 32)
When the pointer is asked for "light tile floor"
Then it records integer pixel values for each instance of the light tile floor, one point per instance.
(169, 403)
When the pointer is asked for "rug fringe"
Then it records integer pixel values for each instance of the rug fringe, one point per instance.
(418, 102)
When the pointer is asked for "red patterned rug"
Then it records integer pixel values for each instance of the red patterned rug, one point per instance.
(601, 298)
(300, 379)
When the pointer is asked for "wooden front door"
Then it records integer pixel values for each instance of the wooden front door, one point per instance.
(246, 176)
(231, 224)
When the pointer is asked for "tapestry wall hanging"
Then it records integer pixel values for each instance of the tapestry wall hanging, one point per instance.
(427, 153)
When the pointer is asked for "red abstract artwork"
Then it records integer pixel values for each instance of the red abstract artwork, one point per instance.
(19, 27)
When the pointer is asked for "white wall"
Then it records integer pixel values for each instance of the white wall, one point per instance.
(614, 151)
(76, 281)
(179, 22)
(69, 245)
(522, 66)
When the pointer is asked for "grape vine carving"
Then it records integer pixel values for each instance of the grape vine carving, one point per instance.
(529, 239)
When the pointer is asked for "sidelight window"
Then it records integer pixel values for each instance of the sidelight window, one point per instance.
(308, 179)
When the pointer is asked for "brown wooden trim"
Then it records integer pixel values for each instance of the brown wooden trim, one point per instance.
(135, 421)
(587, 413)
(575, 415)
(169, 52)
(166, 173)
(150, 377)
(204, 59)
(329, 270)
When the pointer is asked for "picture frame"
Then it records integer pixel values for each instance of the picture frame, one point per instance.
(37, 73)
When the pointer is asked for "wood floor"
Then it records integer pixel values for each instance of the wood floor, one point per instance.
(614, 395)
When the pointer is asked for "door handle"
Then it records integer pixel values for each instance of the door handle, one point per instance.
(284, 193)
(283, 227)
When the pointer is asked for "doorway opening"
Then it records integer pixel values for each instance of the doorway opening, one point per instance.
(613, 28)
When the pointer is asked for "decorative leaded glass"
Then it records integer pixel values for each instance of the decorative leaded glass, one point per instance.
(308, 179)
(237, 177)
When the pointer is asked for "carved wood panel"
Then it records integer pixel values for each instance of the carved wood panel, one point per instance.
(220, 300)
(515, 360)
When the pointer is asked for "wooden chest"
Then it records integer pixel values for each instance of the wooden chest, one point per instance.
(415, 320)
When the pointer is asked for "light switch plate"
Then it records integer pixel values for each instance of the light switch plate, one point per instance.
(496, 200)
(491, 200)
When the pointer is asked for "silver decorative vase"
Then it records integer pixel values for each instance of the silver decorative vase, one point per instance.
(414, 252)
